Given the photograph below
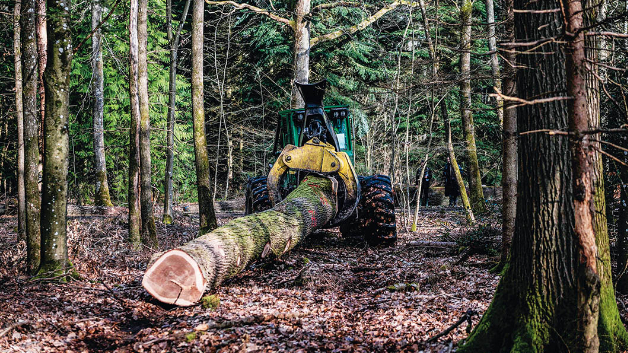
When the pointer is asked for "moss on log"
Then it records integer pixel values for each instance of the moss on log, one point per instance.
(180, 276)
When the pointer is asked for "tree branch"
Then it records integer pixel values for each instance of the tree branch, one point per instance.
(254, 9)
(360, 26)
(334, 5)
(97, 27)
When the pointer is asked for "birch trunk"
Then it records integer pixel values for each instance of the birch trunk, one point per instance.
(102, 197)
(180, 276)
(207, 216)
(149, 232)
(54, 251)
(31, 133)
(135, 222)
(19, 112)
(475, 180)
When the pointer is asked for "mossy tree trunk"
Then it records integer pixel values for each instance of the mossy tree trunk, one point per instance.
(54, 251)
(207, 216)
(31, 133)
(101, 197)
(611, 331)
(42, 47)
(454, 163)
(475, 179)
(19, 116)
(149, 232)
(135, 222)
(180, 276)
(538, 303)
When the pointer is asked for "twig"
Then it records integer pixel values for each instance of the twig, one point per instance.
(14, 326)
(466, 317)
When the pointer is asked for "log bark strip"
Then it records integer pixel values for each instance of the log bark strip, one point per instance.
(180, 276)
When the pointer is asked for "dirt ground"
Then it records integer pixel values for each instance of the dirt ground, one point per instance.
(329, 294)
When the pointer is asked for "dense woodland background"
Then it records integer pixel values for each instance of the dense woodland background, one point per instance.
(248, 73)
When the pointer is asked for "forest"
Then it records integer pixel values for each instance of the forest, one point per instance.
(303, 175)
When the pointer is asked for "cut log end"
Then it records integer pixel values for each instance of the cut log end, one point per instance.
(175, 278)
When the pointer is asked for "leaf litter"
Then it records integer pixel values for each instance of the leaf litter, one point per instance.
(329, 294)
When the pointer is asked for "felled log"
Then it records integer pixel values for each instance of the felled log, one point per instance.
(180, 276)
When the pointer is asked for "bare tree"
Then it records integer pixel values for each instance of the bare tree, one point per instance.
(42, 44)
(19, 112)
(31, 133)
(102, 197)
(135, 221)
(54, 251)
(205, 204)
(173, 40)
(149, 232)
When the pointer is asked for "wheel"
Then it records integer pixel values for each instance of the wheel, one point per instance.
(257, 199)
(375, 219)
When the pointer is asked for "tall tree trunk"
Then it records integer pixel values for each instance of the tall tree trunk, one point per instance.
(207, 216)
(19, 112)
(475, 179)
(149, 232)
(301, 49)
(582, 184)
(509, 143)
(172, 95)
(42, 46)
(102, 197)
(452, 159)
(542, 289)
(180, 276)
(492, 47)
(135, 221)
(31, 133)
(54, 251)
(610, 329)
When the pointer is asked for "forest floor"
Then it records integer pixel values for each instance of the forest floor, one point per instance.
(329, 294)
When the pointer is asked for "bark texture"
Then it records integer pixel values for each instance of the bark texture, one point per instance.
(509, 143)
(172, 95)
(42, 46)
(611, 331)
(545, 301)
(301, 49)
(54, 251)
(475, 180)
(31, 133)
(102, 197)
(135, 222)
(207, 215)
(149, 232)
(172, 278)
(492, 47)
(19, 112)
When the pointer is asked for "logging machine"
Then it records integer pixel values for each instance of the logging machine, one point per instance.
(319, 140)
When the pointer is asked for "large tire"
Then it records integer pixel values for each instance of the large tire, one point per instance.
(375, 219)
(256, 199)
